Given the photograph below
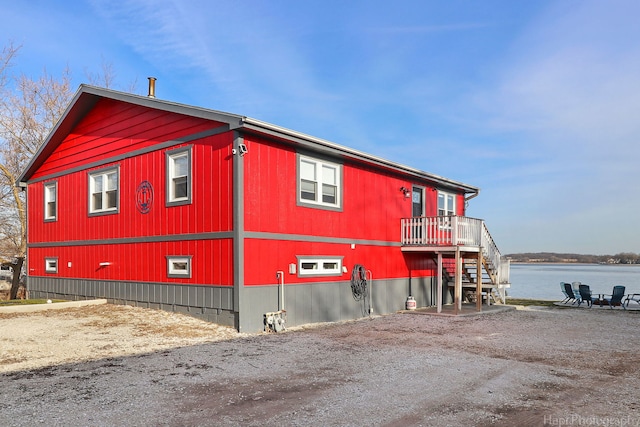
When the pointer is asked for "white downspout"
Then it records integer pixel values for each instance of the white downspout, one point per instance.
(370, 274)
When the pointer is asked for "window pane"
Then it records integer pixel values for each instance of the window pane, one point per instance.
(51, 194)
(180, 188)
(180, 166)
(112, 181)
(330, 266)
(309, 265)
(51, 210)
(97, 183)
(307, 170)
(329, 193)
(97, 201)
(180, 266)
(112, 199)
(328, 175)
(308, 190)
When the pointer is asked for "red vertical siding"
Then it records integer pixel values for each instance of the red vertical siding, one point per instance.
(114, 129)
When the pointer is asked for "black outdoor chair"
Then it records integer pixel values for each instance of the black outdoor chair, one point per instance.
(616, 297)
(585, 295)
(632, 297)
(568, 291)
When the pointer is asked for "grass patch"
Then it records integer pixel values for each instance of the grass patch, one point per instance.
(525, 302)
(27, 301)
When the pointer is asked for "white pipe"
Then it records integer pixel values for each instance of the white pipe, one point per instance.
(280, 277)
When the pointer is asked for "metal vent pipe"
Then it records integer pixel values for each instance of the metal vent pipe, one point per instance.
(152, 87)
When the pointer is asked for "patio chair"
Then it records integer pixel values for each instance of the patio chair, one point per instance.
(585, 295)
(615, 298)
(568, 291)
(632, 297)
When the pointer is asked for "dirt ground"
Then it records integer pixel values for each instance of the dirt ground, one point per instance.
(123, 366)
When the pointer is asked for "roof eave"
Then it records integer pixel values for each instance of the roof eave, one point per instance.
(318, 144)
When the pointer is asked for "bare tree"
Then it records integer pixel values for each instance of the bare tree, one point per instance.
(29, 109)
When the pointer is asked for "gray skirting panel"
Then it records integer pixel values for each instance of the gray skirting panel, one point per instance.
(304, 303)
(210, 303)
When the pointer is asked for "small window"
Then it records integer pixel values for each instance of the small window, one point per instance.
(50, 201)
(51, 265)
(446, 204)
(319, 182)
(103, 191)
(179, 266)
(325, 266)
(179, 177)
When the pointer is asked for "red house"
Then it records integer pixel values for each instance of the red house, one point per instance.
(237, 221)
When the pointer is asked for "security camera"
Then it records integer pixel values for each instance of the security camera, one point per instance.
(243, 149)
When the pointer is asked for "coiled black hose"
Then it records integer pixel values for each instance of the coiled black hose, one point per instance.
(359, 282)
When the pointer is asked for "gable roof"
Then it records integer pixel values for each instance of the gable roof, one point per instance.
(88, 96)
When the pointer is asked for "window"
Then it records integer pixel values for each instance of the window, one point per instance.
(50, 201)
(179, 266)
(51, 265)
(325, 266)
(179, 177)
(319, 182)
(446, 204)
(103, 191)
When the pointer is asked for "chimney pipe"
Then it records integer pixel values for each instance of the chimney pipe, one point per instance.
(152, 87)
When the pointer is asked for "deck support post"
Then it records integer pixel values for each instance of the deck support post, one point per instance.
(479, 282)
(439, 288)
(457, 290)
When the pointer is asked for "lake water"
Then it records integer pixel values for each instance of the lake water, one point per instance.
(542, 281)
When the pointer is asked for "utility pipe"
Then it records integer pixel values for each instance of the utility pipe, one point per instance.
(280, 278)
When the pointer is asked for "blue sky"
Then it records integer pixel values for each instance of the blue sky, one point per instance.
(537, 103)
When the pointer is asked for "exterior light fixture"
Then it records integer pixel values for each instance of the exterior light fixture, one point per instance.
(406, 192)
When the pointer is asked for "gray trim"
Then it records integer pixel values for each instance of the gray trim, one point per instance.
(91, 174)
(317, 239)
(53, 184)
(169, 155)
(238, 234)
(187, 274)
(128, 240)
(156, 147)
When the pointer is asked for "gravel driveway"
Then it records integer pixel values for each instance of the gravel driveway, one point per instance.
(123, 366)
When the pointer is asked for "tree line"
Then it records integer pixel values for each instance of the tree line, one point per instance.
(552, 257)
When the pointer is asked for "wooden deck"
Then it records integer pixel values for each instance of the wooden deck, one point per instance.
(477, 264)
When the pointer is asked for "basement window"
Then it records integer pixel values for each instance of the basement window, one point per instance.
(51, 265)
(51, 201)
(319, 183)
(315, 266)
(179, 266)
(178, 176)
(103, 191)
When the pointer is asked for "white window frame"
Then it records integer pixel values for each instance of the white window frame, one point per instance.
(174, 266)
(104, 175)
(51, 265)
(171, 157)
(448, 198)
(51, 199)
(319, 182)
(312, 266)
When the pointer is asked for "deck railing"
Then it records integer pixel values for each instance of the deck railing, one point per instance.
(455, 231)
